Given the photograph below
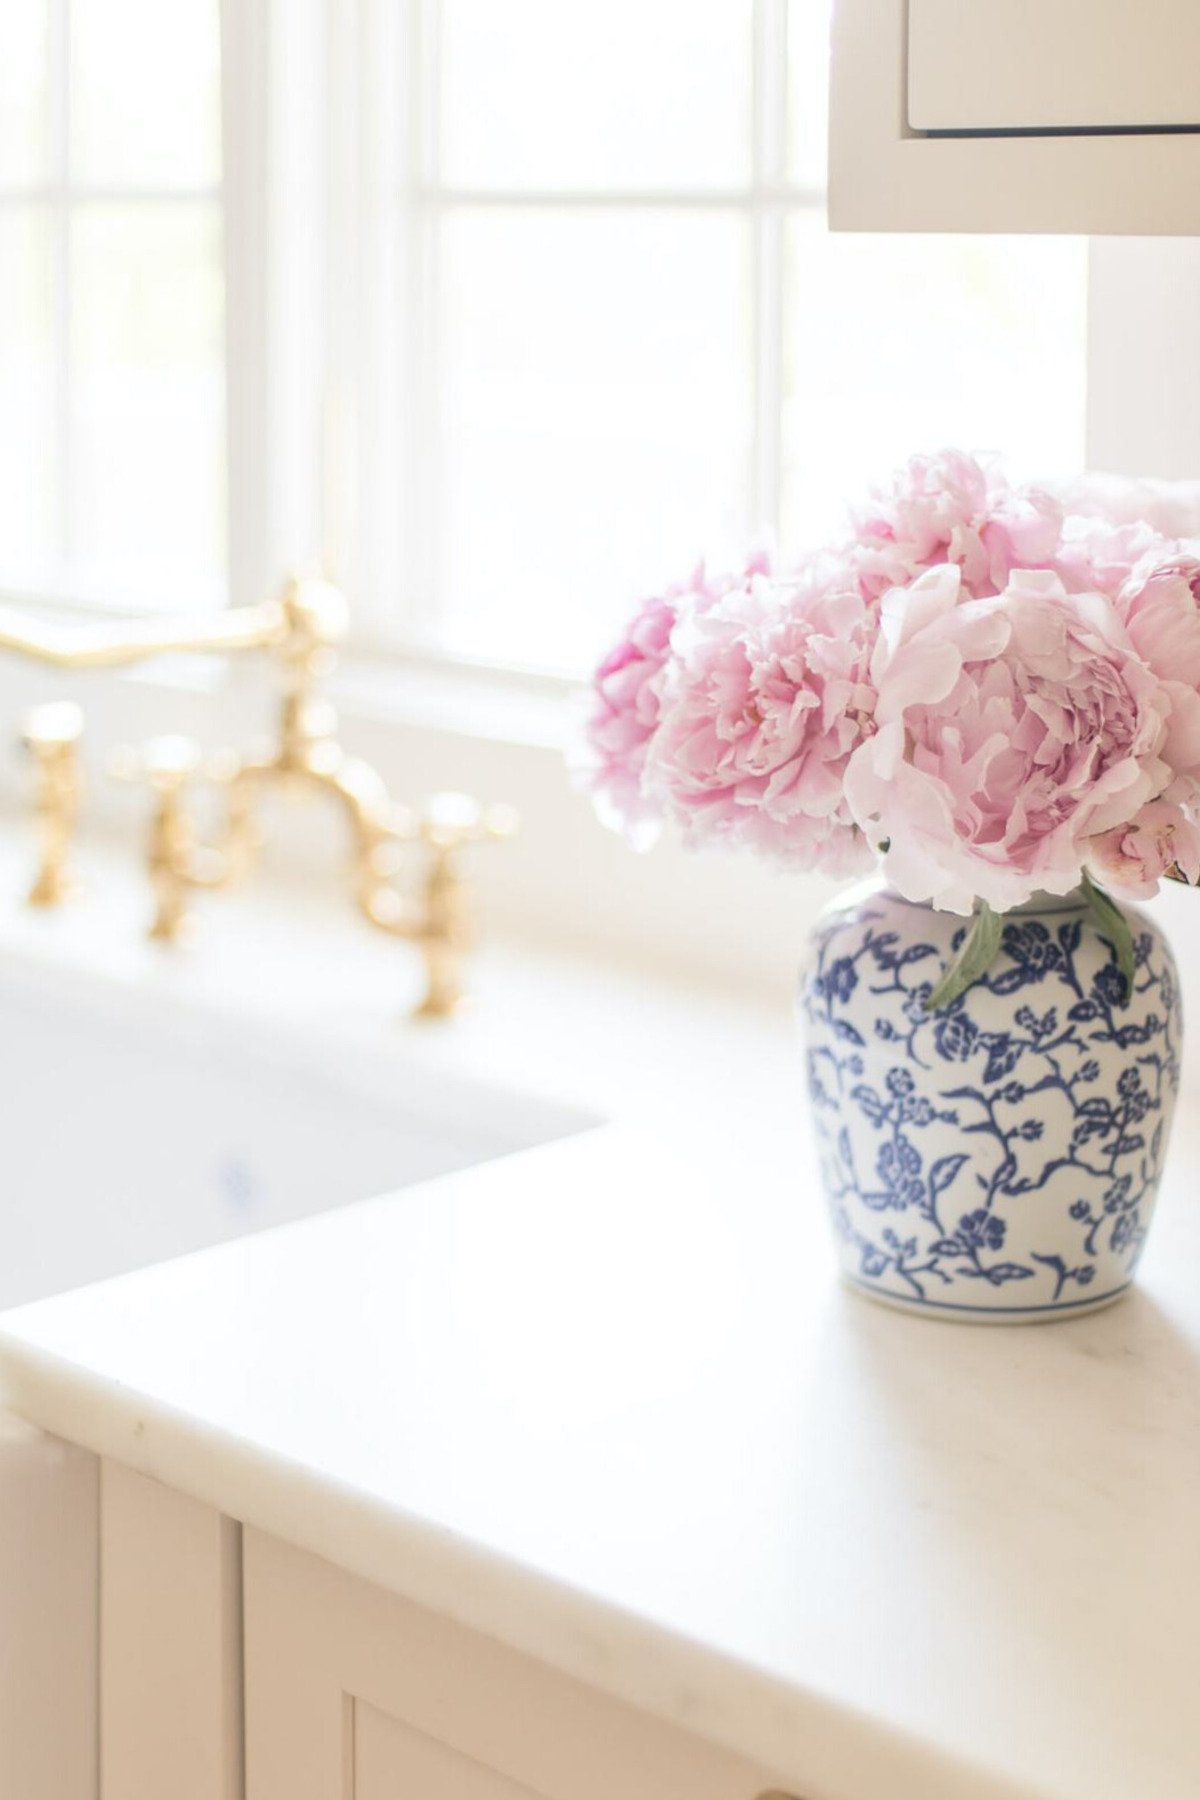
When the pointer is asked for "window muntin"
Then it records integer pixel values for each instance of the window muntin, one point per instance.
(112, 355)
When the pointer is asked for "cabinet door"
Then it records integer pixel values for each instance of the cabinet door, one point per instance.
(1078, 116)
(354, 1694)
(1053, 65)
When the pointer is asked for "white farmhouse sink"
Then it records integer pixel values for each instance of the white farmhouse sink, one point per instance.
(135, 1127)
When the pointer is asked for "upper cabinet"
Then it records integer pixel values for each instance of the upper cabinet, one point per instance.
(1015, 115)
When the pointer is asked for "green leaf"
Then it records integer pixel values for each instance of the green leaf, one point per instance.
(1109, 918)
(974, 958)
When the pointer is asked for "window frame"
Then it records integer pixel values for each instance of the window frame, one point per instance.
(246, 209)
(314, 288)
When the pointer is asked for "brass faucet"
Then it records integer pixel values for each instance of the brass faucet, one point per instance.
(303, 627)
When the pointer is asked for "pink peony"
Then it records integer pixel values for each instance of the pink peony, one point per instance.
(1132, 859)
(625, 704)
(767, 697)
(1159, 606)
(1159, 601)
(950, 508)
(990, 691)
(1096, 557)
(1011, 731)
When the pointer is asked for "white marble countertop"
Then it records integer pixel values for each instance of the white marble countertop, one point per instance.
(606, 1402)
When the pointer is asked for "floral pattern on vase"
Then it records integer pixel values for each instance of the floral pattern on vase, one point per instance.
(999, 1158)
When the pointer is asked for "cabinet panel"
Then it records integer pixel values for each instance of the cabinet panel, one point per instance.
(355, 1694)
(995, 65)
(391, 1761)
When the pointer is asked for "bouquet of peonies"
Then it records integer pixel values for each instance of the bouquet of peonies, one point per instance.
(991, 690)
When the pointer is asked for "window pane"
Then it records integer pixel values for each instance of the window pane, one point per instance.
(148, 402)
(635, 93)
(27, 397)
(595, 420)
(808, 90)
(903, 344)
(145, 93)
(24, 111)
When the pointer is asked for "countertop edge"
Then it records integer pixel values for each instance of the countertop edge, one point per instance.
(730, 1703)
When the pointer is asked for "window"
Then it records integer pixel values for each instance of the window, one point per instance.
(631, 338)
(112, 377)
(527, 305)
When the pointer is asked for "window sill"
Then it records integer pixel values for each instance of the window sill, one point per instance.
(565, 883)
(503, 707)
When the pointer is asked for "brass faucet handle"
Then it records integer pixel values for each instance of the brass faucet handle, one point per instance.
(53, 729)
(166, 762)
(51, 734)
(446, 931)
(170, 761)
(450, 820)
(178, 861)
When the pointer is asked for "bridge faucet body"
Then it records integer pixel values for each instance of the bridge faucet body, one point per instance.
(302, 630)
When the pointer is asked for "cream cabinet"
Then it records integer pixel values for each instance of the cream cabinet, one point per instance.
(1016, 115)
(234, 1666)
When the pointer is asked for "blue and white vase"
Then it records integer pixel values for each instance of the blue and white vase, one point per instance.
(999, 1159)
